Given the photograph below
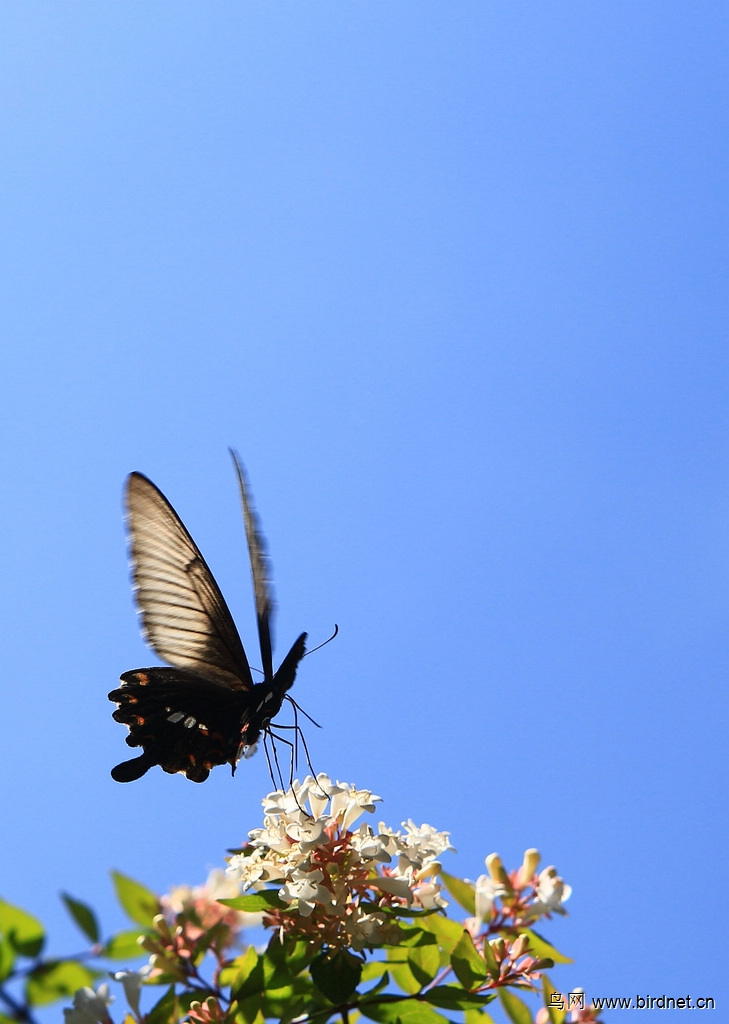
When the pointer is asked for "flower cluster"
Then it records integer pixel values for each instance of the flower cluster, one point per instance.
(331, 887)
(516, 900)
(196, 909)
(193, 922)
(338, 886)
(514, 962)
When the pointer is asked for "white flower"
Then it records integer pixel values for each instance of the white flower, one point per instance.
(217, 887)
(487, 890)
(273, 836)
(370, 846)
(348, 802)
(308, 834)
(285, 804)
(399, 887)
(425, 841)
(305, 889)
(368, 929)
(389, 838)
(428, 895)
(248, 870)
(132, 982)
(552, 891)
(318, 791)
(416, 849)
(89, 1007)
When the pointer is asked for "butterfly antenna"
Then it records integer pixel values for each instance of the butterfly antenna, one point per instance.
(319, 646)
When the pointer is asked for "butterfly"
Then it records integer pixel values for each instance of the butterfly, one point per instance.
(206, 710)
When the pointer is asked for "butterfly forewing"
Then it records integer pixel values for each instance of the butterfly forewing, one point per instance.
(184, 615)
(260, 572)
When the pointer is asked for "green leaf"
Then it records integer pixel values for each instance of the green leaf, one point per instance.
(293, 954)
(165, 1009)
(138, 902)
(453, 997)
(124, 946)
(282, 961)
(249, 980)
(516, 1010)
(447, 932)
(276, 975)
(414, 935)
(492, 964)
(7, 958)
(462, 892)
(379, 987)
(276, 1002)
(373, 969)
(424, 961)
(23, 931)
(336, 976)
(468, 964)
(544, 950)
(261, 984)
(478, 1017)
(83, 916)
(54, 980)
(248, 1010)
(266, 899)
(404, 978)
(405, 911)
(401, 1011)
(7, 1020)
(296, 1008)
(400, 971)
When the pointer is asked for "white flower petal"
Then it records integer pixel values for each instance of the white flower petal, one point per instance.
(89, 1007)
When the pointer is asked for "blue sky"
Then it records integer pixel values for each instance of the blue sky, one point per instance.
(449, 277)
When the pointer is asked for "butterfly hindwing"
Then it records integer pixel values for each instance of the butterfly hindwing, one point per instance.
(183, 723)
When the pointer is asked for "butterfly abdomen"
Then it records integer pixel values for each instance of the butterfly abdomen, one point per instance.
(267, 697)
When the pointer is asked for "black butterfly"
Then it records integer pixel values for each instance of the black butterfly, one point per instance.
(206, 710)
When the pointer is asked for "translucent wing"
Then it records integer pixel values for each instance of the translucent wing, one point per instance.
(260, 570)
(184, 615)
